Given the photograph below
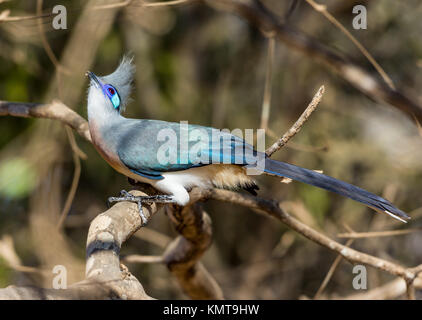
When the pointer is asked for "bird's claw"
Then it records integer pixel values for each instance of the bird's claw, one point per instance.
(126, 196)
(124, 193)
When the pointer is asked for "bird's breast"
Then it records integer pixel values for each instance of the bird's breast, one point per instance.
(107, 150)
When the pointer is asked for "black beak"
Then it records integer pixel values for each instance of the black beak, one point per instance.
(93, 78)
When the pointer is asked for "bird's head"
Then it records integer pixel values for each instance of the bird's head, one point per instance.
(110, 94)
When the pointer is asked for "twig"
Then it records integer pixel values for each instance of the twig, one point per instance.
(165, 3)
(330, 272)
(136, 258)
(323, 10)
(266, 101)
(113, 5)
(76, 175)
(298, 124)
(155, 237)
(4, 17)
(45, 43)
(143, 4)
(388, 291)
(9, 255)
(418, 125)
(377, 234)
(298, 146)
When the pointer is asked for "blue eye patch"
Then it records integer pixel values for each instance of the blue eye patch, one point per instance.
(113, 95)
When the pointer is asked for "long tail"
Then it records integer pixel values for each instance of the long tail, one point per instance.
(316, 179)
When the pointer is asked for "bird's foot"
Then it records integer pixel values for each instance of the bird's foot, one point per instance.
(126, 196)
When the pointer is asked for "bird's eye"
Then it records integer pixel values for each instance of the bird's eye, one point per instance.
(112, 94)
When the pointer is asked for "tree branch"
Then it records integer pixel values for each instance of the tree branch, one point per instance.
(106, 278)
(273, 209)
(55, 110)
(183, 254)
(298, 124)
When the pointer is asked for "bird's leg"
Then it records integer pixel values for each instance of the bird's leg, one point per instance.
(133, 182)
(126, 196)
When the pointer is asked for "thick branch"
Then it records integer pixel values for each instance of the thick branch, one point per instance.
(106, 278)
(106, 235)
(183, 254)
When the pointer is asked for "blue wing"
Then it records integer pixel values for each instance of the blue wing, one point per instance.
(151, 147)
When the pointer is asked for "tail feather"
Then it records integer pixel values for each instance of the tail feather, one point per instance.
(320, 180)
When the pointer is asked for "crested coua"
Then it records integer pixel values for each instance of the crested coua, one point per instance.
(170, 156)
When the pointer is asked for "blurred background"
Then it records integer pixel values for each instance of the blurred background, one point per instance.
(208, 67)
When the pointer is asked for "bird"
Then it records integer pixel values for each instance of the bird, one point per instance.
(175, 157)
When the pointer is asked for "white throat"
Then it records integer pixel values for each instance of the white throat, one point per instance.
(99, 109)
